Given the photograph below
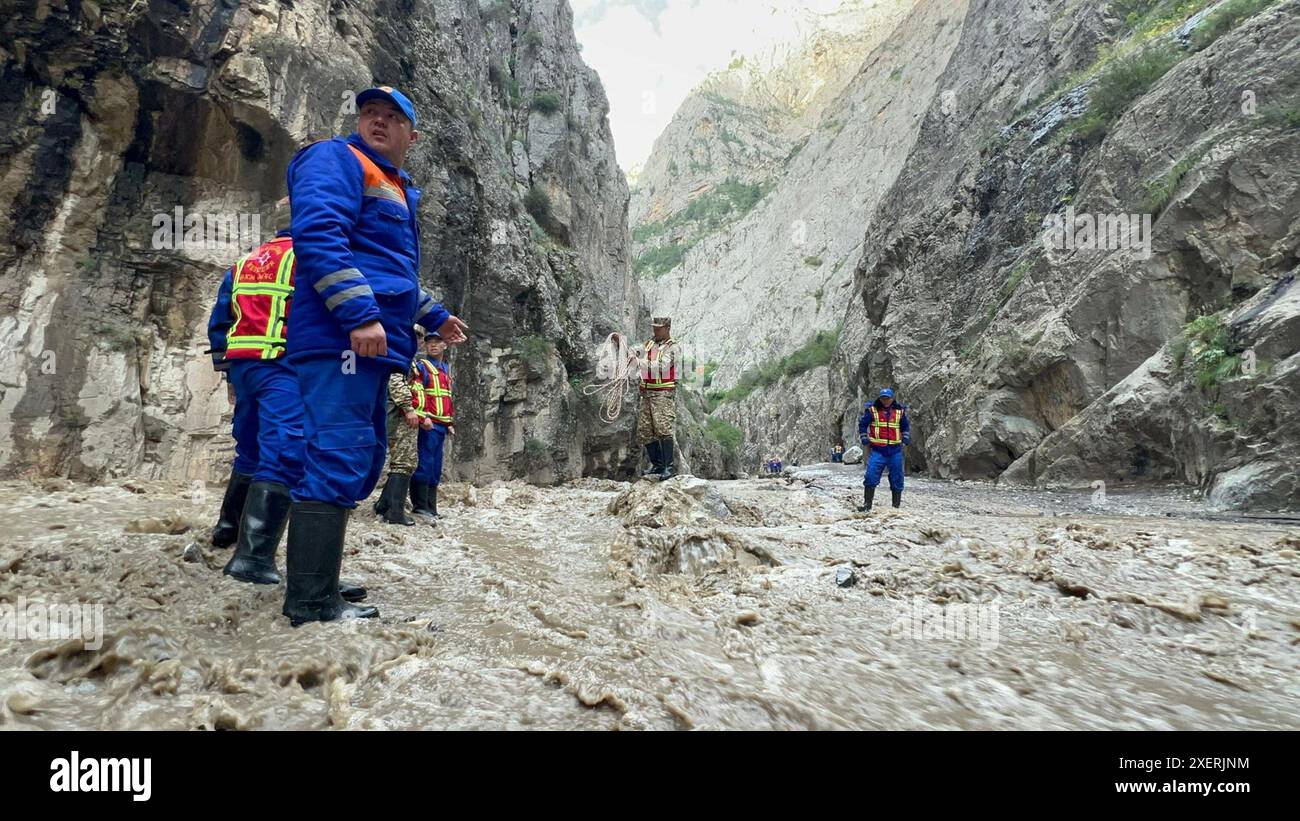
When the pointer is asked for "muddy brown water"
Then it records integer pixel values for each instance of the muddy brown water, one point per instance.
(687, 604)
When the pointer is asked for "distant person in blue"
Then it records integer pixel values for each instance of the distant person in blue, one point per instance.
(883, 430)
(357, 298)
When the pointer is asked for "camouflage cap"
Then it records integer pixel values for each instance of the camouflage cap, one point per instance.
(661, 322)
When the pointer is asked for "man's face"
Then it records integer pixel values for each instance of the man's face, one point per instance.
(385, 128)
(886, 400)
(435, 347)
(661, 331)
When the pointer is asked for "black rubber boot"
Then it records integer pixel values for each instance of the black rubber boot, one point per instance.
(868, 494)
(266, 511)
(652, 453)
(666, 459)
(232, 510)
(898, 497)
(314, 556)
(351, 591)
(381, 504)
(420, 500)
(433, 501)
(394, 500)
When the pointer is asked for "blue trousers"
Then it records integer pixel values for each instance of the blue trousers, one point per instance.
(268, 420)
(344, 431)
(878, 460)
(431, 441)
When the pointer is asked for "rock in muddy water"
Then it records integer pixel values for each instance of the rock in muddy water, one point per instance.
(172, 524)
(808, 474)
(675, 503)
(192, 553)
(642, 553)
(844, 577)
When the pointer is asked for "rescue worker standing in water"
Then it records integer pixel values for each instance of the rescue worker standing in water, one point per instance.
(883, 430)
(436, 379)
(357, 297)
(247, 330)
(658, 413)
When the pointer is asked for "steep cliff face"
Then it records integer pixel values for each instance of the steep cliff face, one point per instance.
(1006, 333)
(121, 113)
(769, 254)
(1049, 231)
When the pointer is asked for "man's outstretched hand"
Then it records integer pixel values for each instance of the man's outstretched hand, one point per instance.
(369, 339)
(453, 331)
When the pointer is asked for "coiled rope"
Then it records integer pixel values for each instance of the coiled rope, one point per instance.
(615, 373)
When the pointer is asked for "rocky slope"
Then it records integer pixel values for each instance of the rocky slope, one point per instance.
(1015, 350)
(119, 112)
(1004, 341)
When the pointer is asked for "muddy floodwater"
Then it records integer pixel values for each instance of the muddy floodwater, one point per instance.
(750, 604)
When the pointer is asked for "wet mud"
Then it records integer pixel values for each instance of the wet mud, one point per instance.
(750, 604)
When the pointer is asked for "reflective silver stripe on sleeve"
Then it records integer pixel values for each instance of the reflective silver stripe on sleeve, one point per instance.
(351, 293)
(425, 309)
(337, 277)
(389, 194)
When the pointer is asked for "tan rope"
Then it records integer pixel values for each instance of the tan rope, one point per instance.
(614, 375)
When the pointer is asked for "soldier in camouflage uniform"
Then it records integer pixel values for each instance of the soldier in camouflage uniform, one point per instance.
(658, 415)
(406, 417)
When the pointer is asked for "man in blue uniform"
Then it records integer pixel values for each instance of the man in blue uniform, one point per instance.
(356, 297)
(883, 430)
(438, 406)
(247, 330)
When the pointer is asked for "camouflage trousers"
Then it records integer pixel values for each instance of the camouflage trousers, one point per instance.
(657, 417)
(403, 445)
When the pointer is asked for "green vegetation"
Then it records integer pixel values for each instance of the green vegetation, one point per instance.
(536, 453)
(531, 38)
(535, 351)
(813, 262)
(707, 379)
(1225, 19)
(1120, 84)
(724, 433)
(896, 74)
(659, 261)
(1206, 341)
(814, 353)
(1129, 68)
(726, 203)
(546, 102)
(1008, 289)
(1282, 116)
(1158, 192)
(538, 205)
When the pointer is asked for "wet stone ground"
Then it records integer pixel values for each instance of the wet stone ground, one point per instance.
(749, 604)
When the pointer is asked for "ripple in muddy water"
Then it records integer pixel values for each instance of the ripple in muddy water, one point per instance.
(676, 605)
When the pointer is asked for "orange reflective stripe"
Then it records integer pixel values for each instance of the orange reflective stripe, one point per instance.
(376, 183)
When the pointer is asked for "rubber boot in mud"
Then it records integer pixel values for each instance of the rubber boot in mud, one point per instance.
(314, 558)
(266, 512)
(232, 510)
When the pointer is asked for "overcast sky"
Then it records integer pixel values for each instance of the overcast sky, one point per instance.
(651, 53)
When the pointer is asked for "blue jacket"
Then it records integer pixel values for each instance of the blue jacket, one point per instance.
(219, 322)
(904, 426)
(358, 255)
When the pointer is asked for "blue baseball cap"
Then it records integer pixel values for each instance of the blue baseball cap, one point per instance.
(887, 392)
(393, 96)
